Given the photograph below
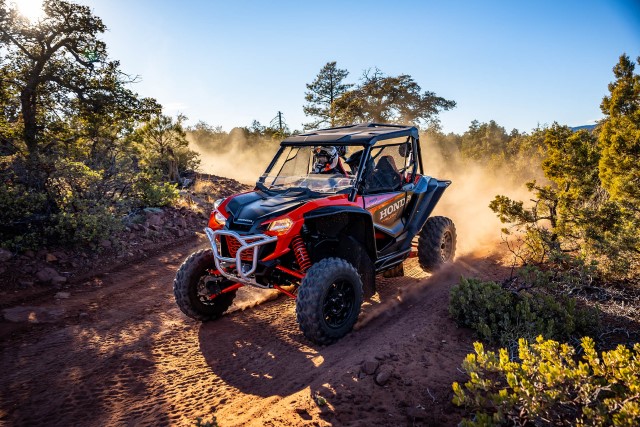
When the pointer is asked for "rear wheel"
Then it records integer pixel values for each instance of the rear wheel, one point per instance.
(190, 288)
(329, 300)
(436, 243)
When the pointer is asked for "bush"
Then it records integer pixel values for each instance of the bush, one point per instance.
(152, 193)
(503, 316)
(88, 222)
(549, 385)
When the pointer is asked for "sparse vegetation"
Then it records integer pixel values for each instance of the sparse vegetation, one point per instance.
(502, 316)
(551, 384)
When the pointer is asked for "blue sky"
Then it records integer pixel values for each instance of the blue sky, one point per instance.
(519, 63)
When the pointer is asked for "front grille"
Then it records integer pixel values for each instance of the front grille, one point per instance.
(234, 244)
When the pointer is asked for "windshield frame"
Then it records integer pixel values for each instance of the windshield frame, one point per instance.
(285, 150)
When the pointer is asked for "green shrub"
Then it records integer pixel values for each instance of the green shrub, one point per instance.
(551, 386)
(90, 221)
(152, 193)
(503, 316)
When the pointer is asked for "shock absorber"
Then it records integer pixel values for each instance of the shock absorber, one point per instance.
(301, 254)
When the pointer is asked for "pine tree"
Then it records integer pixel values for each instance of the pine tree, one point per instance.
(620, 136)
(322, 92)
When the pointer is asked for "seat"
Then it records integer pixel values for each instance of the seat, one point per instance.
(385, 176)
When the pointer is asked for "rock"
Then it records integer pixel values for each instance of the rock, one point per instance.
(29, 253)
(181, 222)
(380, 356)
(105, 243)
(33, 314)
(46, 274)
(383, 377)
(369, 366)
(154, 217)
(416, 413)
(62, 295)
(152, 211)
(58, 280)
(24, 283)
(5, 255)
(50, 258)
(155, 227)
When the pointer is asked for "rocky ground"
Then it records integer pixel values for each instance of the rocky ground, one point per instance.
(24, 276)
(117, 351)
(94, 338)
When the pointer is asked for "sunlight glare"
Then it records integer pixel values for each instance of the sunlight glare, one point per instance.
(30, 9)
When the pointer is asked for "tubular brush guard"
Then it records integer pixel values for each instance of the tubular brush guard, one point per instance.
(233, 268)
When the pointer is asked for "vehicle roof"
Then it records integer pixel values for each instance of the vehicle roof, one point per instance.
(360, 134)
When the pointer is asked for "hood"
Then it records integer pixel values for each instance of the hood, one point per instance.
(249, 210)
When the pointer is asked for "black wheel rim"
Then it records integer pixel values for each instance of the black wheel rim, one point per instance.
(446, 246)
(338, 303)
(203, 293)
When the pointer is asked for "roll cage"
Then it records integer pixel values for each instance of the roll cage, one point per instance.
(365, 135)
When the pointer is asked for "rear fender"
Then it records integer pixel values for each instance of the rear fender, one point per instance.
(425, 197)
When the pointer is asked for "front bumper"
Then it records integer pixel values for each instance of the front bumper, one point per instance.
(238, 269)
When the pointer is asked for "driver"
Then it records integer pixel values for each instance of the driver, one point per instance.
(325, 160)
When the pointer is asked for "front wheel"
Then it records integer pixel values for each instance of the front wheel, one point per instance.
(190, 288)
(329, 300)
(436, 243)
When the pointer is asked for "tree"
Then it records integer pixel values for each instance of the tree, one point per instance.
(389, 99)
(485, 140)
(58, 67)
(322, 93)
(562, 210)
(165, 147)
(620, 136)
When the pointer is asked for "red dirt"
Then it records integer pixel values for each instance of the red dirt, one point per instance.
(123, 354)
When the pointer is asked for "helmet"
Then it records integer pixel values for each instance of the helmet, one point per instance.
(325, 159)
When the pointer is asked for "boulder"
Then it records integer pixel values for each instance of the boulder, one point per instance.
(383, 377)
(46, 274)
(5, 255)
(369, 366)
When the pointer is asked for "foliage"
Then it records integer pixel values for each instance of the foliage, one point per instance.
(389, 99)
(165, 147)
(502, 316)
(57, 68)
(149, 192)
(549, 384)
(589, 206)
(72, 139)
(322, 93)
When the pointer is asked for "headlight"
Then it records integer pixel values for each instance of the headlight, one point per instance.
(217, 216)
(280, 226)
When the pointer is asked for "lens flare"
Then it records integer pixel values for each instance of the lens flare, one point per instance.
(30, 9)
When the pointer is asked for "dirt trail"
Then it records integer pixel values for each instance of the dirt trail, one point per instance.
(123, 354)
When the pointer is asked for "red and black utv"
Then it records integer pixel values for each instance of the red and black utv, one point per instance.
(334, 208)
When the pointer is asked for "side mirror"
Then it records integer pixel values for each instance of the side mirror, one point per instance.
(405, 149)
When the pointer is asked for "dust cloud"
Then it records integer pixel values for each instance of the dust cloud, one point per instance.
(467, 199)
(234, 157)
